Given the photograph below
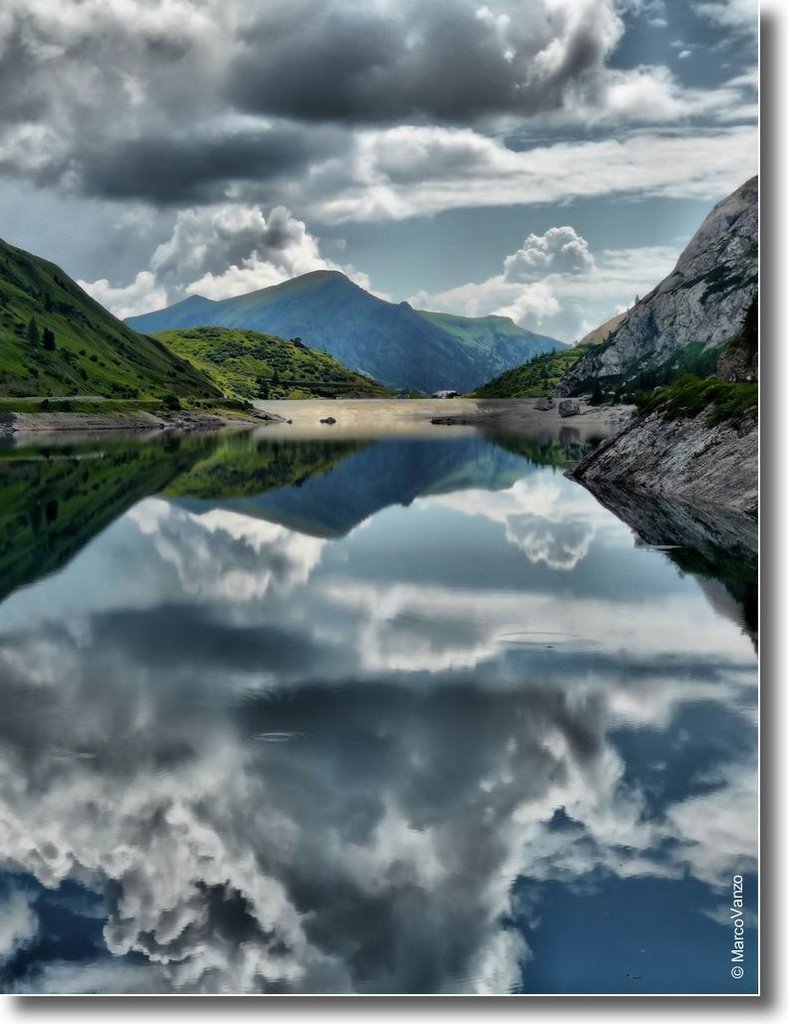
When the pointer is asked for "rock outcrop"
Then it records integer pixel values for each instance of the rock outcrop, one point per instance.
(682, 459)
(568, 407)
(703, 302)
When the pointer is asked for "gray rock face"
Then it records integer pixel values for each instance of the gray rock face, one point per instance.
(544, 404)
(707, 467)
(704, 299)
(568, 407)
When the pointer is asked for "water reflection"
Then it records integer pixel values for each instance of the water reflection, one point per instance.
(405, 716)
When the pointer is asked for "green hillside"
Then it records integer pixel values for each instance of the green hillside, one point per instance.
(56, 340)
(534, 379)
(486, 336)
(248, 364)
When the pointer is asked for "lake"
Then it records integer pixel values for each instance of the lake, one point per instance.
(410, 714)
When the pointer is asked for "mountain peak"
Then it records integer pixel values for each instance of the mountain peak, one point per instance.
(403, 347)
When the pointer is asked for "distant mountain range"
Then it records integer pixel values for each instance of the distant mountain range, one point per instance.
(402, 347)
(56, 340)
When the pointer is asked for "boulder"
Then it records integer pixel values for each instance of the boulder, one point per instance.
(568, 407)
(543, 404)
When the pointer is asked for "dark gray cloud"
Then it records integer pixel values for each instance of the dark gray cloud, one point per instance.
(179, 169)
(427, 61)
(178, 102)
(139, 100)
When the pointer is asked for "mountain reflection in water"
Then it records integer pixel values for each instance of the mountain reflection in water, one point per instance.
(377, 716)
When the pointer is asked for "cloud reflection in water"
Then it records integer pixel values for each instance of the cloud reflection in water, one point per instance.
(438, 721)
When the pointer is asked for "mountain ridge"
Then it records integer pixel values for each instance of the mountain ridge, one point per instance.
(402, 347)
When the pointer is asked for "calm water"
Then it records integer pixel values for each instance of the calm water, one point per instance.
(391, 716)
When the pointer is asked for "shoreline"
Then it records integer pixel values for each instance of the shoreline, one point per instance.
(683, 460)
(319, 419)
(428, 417)
(22, 425)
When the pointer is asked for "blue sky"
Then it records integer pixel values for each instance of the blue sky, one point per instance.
(157, 149)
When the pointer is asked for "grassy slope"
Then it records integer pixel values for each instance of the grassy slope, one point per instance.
(688, 396)
(534, 379)
(486, 333)
(94, 354)
(723, 384)
(248, 364)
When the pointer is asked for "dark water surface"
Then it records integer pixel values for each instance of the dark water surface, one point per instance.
(403, 716)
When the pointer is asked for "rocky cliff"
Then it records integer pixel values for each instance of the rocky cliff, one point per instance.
(700, 306)
(681, 459)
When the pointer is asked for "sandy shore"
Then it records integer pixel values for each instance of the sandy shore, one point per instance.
(413, 417)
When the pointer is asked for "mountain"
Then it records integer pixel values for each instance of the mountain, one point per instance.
(688, 355)
(56, 340)
(247, 364)
(402, 347)
(691, 316)
(337, 485)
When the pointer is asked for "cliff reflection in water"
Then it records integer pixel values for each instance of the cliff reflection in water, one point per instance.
(395, 716)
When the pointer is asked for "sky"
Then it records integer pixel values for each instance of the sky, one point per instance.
(541, 159)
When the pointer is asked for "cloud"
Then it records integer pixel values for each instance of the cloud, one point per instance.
(141, 295)
(558, 251)
(340, 61)
(18, 923)
(197, 167)
(737, 14)
(412, 171)
(576, 290)
(95, 97)
(219, 251)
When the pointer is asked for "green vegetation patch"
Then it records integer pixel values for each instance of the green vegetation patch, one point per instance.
(688, 396)
(534, 379)
(248, 365)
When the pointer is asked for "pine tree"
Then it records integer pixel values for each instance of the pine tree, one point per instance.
(49, 340)
(32, 331)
